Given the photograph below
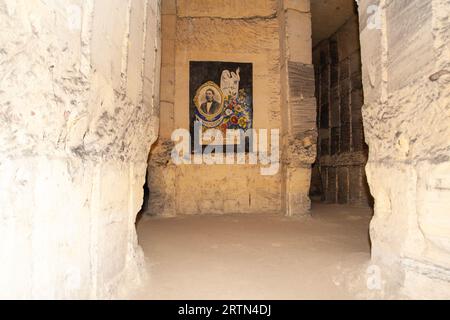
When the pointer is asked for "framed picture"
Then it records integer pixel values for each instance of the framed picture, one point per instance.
(221, 97)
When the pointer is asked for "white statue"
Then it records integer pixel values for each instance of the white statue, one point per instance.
(229, 83)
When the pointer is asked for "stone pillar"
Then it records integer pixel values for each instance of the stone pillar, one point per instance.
(161, 171)
(298, 105)
(406, 77)
(75, 135)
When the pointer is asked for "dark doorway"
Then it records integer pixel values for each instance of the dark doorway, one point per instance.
(339, 173)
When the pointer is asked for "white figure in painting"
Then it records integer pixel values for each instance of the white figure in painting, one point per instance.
(229, 82)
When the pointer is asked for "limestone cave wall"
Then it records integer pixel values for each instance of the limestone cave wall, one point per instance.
(75, 132)
(406, 113)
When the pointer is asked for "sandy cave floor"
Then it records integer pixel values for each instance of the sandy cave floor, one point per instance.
(245, 257)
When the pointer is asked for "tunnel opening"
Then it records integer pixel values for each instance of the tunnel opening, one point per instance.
(223, 219)
(338, 175)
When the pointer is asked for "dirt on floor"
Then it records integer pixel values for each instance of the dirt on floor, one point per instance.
(246, 257)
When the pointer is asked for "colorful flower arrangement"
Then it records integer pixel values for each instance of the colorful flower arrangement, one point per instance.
(237, 112)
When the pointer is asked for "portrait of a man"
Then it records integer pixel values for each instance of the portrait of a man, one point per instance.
(221, 97)
(211, 106)
(209, 101)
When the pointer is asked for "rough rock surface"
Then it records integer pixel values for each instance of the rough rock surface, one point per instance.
(257, 31)
(406, 120)
(75, 133)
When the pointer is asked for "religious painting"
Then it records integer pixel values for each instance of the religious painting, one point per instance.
(221, 96)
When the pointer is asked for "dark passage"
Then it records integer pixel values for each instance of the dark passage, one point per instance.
(339, 172)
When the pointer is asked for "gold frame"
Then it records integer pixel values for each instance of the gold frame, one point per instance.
(209, 117)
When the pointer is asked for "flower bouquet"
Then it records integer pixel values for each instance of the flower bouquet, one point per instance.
(237, 112)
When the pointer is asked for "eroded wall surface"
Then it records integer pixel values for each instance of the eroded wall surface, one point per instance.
(230, 31)
(75, 133)
(298, 105)
(342, 151)
(406, 76)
